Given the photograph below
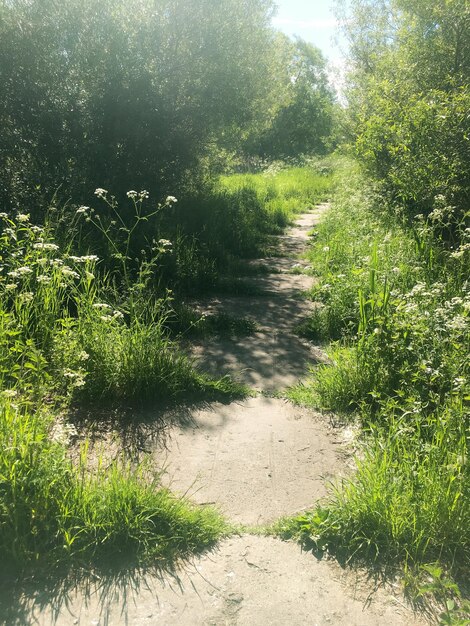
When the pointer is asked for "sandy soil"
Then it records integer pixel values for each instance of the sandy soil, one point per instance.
(256, 460)
(248, 581)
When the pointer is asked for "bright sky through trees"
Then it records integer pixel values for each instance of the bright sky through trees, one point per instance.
(314, 21)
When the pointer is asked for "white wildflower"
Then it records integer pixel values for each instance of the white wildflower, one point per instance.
(26, 296)
(66, 271)
(83, 209)
(9, 393)
(77, 378)
(23, 217)
(101, 305)
(165, 243)
(458, 254)
(45, 246)
(43, 279)
(63, 433)
(459, 322)
(132, 194)
(20, 271)
(144, 195)
(87, 258)
(101, 193)
(170, 200)
(11, 286)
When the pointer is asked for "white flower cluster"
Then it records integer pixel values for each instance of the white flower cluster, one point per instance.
(138, 195)
(165, 243)
(69, 273)
(87, 258)
(45, 246)
(461, 250)
(108, 313)
(83, 209)
(20, 271)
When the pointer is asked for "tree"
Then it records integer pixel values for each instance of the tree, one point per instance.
(302, 123)
(123, 94)
(409, 98)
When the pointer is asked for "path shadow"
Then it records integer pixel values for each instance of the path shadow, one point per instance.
(133, 432)
(23, 600)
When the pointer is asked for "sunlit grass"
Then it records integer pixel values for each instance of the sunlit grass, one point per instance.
(54, 512)
(397, 305)
(284, 192)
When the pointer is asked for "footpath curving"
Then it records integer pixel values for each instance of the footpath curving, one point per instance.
(256, 460)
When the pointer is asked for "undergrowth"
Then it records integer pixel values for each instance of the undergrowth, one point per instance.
(90, 317)
(397, 302)
(54, 513)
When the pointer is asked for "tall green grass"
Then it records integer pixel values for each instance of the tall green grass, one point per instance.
(54, 512)
(88, 335)
(70, 333)
(397, 302)
(284, 192)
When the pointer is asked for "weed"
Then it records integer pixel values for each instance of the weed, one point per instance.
(54, 513)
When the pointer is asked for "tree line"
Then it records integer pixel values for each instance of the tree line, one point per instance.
(126, 94)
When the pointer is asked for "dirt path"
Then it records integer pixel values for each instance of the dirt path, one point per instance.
(256, 460)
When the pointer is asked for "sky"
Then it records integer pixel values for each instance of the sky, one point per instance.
(314, 21)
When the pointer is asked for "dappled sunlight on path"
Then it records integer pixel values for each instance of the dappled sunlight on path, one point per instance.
(256, 460)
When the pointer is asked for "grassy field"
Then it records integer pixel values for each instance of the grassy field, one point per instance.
(396, 304)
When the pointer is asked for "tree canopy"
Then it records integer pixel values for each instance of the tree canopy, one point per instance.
(123, 93)
(409, 100)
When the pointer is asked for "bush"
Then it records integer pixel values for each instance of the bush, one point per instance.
(402, 366)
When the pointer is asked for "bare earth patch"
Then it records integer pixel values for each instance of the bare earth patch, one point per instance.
(256, 460)
(248, 581)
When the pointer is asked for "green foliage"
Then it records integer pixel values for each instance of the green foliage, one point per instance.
(127, 94)
(402, 365)
(57, 321)
(402, 297)
(283, 191)
(409, 101)
(431, 581)
(54, 513)
(303, 122)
